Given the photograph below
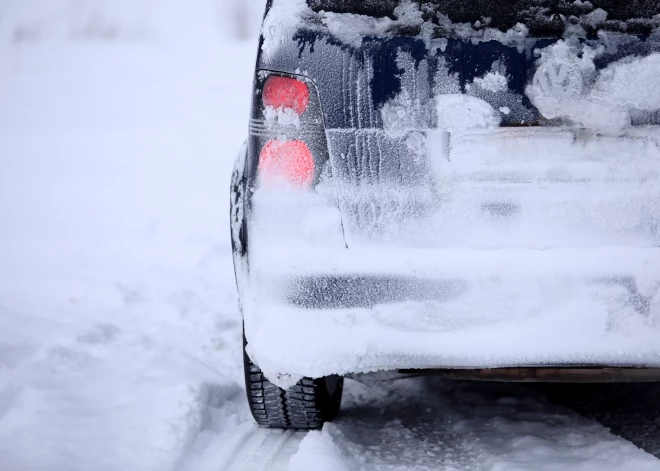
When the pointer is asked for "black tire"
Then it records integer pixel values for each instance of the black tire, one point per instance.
(307, 405)
(311, 402)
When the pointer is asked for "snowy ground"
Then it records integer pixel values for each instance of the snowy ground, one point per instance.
(119, 334)
(427, 424)
(118, 319)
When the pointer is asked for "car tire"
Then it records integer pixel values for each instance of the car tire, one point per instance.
(307, 405)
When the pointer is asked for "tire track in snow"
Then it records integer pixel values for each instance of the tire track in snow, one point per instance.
(255, 449)
(242, 444)
(404, 425)
(276, 450)
(630, 411)
(429, 424)
(264, 449)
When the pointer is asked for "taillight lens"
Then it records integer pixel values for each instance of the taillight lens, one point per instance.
(287, 93)
(288, 161)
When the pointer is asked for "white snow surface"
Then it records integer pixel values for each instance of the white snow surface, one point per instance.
(419, 424)
(119, 328)
(120, 337)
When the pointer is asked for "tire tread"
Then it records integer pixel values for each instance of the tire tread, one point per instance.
(301, 407)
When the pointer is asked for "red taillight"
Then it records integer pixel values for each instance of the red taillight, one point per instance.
(287, 93)
(289, 161)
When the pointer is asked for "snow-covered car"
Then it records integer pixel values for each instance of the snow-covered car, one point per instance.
(461, 187)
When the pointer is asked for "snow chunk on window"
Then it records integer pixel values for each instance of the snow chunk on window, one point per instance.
(409, 14)
(462, 112)
(350, 28)
(493, 82)
(630, 83)
(595, 18)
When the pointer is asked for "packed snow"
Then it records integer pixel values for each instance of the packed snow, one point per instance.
(427, 424)
(426, 20)
(558, 88)
(458, 112)
(287, 16)
(462, 427)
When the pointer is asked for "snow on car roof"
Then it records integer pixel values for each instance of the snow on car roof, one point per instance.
(508, 22)
(542, 17)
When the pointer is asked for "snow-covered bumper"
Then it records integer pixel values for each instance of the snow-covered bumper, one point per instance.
(507, 248)
(319, 312)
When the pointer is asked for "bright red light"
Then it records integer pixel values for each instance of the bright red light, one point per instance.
(287, 93)
(289, 161)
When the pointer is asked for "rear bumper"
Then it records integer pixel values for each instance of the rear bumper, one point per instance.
(547, 374)
(320, 312)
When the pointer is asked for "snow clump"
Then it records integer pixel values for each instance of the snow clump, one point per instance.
(458, 112)
(560, 87)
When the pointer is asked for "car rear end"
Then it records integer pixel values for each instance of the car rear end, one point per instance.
(452, 186)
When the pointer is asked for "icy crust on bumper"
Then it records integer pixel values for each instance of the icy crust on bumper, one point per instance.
(501, 308)
(576, 332)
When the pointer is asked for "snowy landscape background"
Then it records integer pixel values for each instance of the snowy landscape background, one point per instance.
(120, 337)
(119, 328)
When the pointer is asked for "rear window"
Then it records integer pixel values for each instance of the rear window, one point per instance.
(541, 17)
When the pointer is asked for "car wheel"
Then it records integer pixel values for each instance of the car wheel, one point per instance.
(307, 405)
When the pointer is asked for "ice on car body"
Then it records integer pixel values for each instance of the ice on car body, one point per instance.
(490, 198)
